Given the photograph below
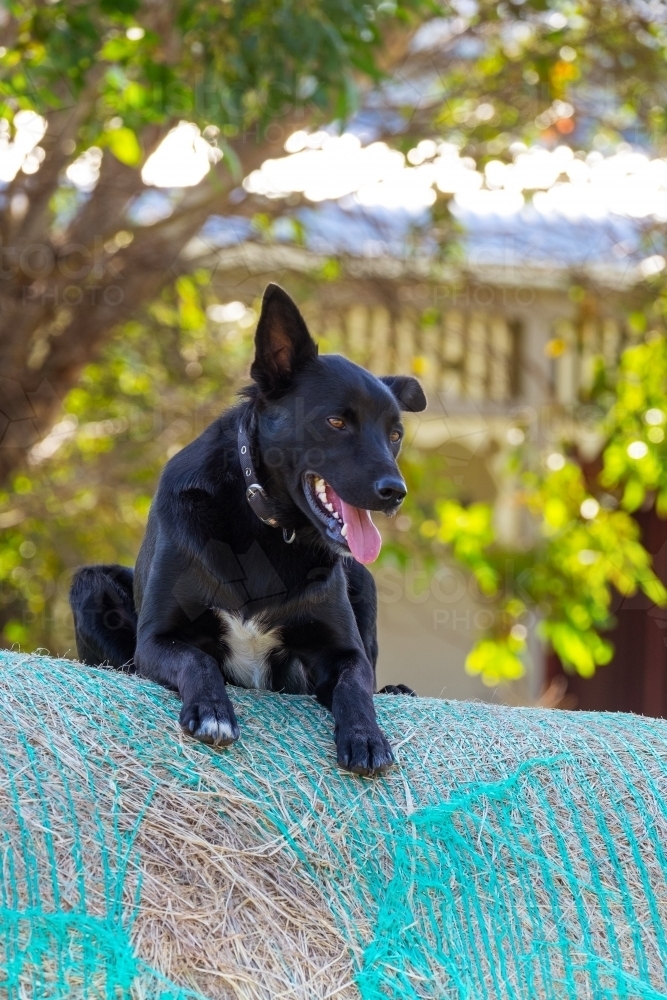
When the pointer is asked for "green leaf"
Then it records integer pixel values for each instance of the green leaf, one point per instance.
(571, 648)
(494, 661)
(633, 495)
(124, 145)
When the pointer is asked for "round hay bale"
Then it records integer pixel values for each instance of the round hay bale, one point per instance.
(512, 853)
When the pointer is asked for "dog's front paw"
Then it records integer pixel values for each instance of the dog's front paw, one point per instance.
(212, 722)
(397, 689)
(363, 750)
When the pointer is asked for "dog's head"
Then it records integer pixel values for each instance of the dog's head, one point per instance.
(329, 431)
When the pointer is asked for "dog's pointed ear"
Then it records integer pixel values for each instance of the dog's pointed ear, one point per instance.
(408, 392)
(282, 341)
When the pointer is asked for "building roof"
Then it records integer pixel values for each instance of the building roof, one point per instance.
(525, 246)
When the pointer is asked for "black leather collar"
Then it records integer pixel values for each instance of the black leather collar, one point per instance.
(258, 499)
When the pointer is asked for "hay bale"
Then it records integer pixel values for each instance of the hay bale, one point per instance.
(513, 853)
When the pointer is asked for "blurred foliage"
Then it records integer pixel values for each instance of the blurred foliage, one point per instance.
(636, 455)
(578, 552)
(229, 64)
(530, 69)
(539, 68)
(161, 379)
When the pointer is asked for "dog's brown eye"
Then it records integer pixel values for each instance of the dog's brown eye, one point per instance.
(395, 437)
(336, 422)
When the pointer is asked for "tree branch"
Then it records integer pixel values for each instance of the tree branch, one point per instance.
(58, 143)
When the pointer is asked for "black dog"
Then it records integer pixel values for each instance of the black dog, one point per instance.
(245, 573)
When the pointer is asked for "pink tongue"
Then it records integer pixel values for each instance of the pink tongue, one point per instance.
(363, 537)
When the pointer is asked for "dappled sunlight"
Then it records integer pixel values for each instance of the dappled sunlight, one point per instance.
(182, 159)
(560, 181)
(22, 151)
(84, 172)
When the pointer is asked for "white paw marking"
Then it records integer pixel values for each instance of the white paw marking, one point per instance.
(216, 729)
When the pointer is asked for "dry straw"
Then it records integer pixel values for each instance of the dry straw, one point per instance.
(513, 853)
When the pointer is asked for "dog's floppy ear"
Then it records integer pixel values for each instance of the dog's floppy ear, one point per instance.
(282, 341)
(407, 390)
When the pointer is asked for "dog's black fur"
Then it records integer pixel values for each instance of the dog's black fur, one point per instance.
(208, 564)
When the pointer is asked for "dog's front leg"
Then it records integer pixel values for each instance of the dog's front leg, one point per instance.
(207, 712)
(361, 746)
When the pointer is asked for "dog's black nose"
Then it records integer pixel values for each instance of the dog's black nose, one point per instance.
(391, 489)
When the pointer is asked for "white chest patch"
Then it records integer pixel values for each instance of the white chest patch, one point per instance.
(250, 643)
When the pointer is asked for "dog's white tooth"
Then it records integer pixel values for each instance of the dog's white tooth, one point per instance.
(343, 531)
(329, 506)
(337, 515)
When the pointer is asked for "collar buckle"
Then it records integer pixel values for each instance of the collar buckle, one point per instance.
(260, 504)
(257, 497)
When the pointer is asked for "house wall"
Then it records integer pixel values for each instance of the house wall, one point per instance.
(425, 631)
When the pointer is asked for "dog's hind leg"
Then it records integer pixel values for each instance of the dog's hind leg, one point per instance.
(105, 620)
(397, 689)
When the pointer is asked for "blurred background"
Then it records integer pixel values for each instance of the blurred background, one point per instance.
(472, 192)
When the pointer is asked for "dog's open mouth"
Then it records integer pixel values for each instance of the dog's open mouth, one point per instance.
(351, 527)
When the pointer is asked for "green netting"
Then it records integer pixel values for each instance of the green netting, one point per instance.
(513, 853)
